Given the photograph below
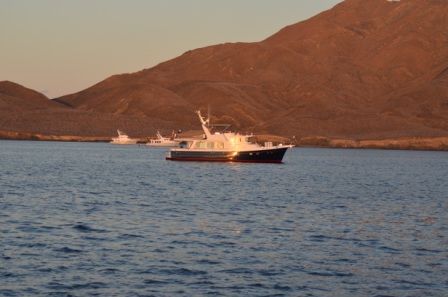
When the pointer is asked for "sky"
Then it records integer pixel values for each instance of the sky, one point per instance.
(60, 47)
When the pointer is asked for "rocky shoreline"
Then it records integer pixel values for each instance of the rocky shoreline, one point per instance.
(407, 143)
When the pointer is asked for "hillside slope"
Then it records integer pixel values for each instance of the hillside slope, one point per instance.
(364, 69)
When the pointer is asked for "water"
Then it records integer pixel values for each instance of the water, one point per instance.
(93, 219)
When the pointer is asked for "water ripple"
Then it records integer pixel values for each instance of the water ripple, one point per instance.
(121, 221)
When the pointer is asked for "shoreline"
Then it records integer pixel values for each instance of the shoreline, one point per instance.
(403, 143)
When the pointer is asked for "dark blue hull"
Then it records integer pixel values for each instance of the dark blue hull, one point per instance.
(274, 155)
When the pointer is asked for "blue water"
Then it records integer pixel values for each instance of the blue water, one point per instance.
(93, 219)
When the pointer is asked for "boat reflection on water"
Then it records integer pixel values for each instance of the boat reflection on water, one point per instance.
(226, 147)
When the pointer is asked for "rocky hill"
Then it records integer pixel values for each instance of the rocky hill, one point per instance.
(363, 70)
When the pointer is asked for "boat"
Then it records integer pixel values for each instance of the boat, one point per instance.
(163, 141)
(226, 146)
(123, 139)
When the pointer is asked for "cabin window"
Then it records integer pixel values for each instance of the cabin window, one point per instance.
(210, 144)
(201, 144)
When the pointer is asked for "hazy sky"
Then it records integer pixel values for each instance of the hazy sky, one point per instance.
(59, 47)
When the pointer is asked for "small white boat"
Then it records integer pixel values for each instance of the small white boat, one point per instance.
(226, 147)
(164, 141)
(123, 139)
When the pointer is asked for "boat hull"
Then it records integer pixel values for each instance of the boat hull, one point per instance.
(274, 155)
(123, 142)
(174, 144)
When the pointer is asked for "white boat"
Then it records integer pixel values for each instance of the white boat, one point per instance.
(163, 141)
(123, 139)
(226, 147)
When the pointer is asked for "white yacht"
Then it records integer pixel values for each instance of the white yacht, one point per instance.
(163, 141)
(226, 147)
(123, 139)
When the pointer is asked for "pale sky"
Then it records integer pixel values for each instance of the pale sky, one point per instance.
(59, 47)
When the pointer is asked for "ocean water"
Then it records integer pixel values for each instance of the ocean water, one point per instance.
(93, 219)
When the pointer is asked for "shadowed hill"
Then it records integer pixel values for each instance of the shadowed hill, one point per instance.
(25, 113)
(13, 96)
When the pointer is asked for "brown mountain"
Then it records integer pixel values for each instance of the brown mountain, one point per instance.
(365, 69)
